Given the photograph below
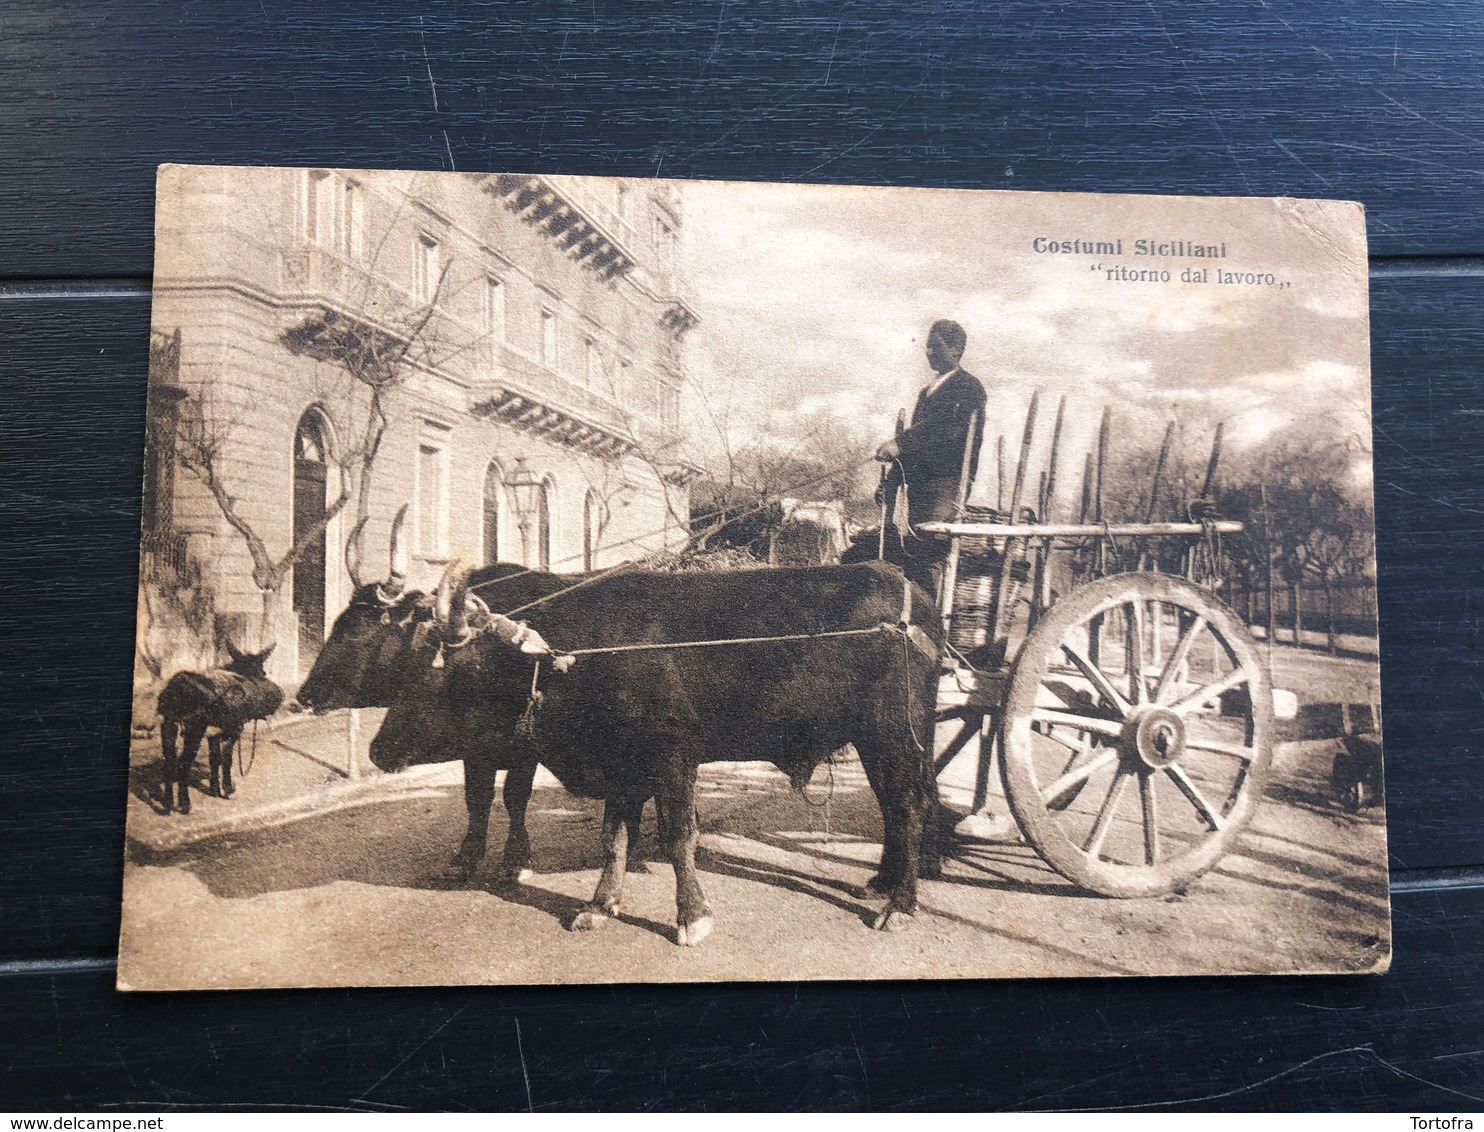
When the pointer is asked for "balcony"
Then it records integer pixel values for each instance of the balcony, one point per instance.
(578, 232)
(535, 400)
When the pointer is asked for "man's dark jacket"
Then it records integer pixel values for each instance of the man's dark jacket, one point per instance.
(933, 446)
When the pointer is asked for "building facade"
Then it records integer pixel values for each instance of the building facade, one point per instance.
(327, 342)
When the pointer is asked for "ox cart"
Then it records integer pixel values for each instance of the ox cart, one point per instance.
(1128, 710)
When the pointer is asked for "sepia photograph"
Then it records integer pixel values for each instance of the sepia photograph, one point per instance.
(591, 580)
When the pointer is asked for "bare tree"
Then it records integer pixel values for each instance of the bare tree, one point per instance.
(374, 357)
(1309, 520)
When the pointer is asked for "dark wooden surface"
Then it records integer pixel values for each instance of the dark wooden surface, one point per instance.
(1380, 103)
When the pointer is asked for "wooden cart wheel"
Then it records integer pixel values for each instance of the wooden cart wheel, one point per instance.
(1137, 734)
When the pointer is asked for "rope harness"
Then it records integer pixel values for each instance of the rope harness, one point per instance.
(515, 632)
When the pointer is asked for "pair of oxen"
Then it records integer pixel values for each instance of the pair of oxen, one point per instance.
(858, 665)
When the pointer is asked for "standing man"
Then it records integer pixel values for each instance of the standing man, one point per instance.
(929, 455)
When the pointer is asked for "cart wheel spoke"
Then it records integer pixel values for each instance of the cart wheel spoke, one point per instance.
(1092, 723)
(1094, 844)
(1151, 819)
(1060, 793)
(1096, 678)
(1135, 662)
(1209, 814)
(1246, 754)
(1240, 675)
(1178, 656)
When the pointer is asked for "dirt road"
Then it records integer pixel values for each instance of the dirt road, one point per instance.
(350, 897)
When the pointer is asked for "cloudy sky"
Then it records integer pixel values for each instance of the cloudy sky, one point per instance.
(820, 298)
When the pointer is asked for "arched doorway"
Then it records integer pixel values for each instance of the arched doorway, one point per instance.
(494, 487)
(310, 483)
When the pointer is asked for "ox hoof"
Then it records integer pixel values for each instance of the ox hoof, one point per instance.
(688, 935)
(516, 875)
(589, 920)
(892, 921)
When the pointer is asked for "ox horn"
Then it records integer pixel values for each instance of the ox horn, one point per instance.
(453, 596)
(397, 570)
(353, 552)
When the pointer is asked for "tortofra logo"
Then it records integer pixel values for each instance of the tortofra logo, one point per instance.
(1439, 1122)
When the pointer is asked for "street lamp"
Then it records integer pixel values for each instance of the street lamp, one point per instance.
(524, 489)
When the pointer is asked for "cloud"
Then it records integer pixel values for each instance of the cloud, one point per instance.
(812, 297)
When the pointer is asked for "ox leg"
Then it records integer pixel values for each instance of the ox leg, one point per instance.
(194, 732)
(169, 738)
(214, 761)
(229, 743)
(889, 872)
(515, 864)
(900, 796)
(678, 829)
(479, 796)
(620, 816)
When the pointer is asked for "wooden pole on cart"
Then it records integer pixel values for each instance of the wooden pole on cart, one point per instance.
(1100, 548)
(999, 473)
(1159, 472)
(1215, 462)
(1102, 467)
(1208, 488)
(888, 504)
(950, 569)
(1000, 621)
(1146, 559)
(1086, 507)
(1041, 594)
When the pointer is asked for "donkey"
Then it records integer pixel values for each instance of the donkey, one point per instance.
(223, 699)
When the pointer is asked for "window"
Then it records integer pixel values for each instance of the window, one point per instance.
(431, 490)
(549, 339)
(543, 526)
(316, 208)
(309, 495)
(425, 268)
(332, 213)
(494, 486)
(494, 309)
(592, 363)
(592, 530)
(353, 201)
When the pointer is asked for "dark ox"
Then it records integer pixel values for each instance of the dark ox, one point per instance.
(222, 700)
(380, 653)
(632, 725)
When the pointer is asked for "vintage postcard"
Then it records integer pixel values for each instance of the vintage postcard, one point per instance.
(552, 580)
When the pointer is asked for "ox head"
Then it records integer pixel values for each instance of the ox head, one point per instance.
(360, 663)
(448, 703)
(249, 664)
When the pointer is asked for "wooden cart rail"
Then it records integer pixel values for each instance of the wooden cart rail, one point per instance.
(1077, 530)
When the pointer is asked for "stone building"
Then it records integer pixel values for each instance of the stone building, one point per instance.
(521, 330)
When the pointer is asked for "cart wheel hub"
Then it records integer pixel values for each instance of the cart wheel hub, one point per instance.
(1159, 738)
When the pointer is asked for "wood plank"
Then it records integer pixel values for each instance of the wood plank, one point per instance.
(1370, 101)
(1427, 355)
(72, 378)
(1404, 1041)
